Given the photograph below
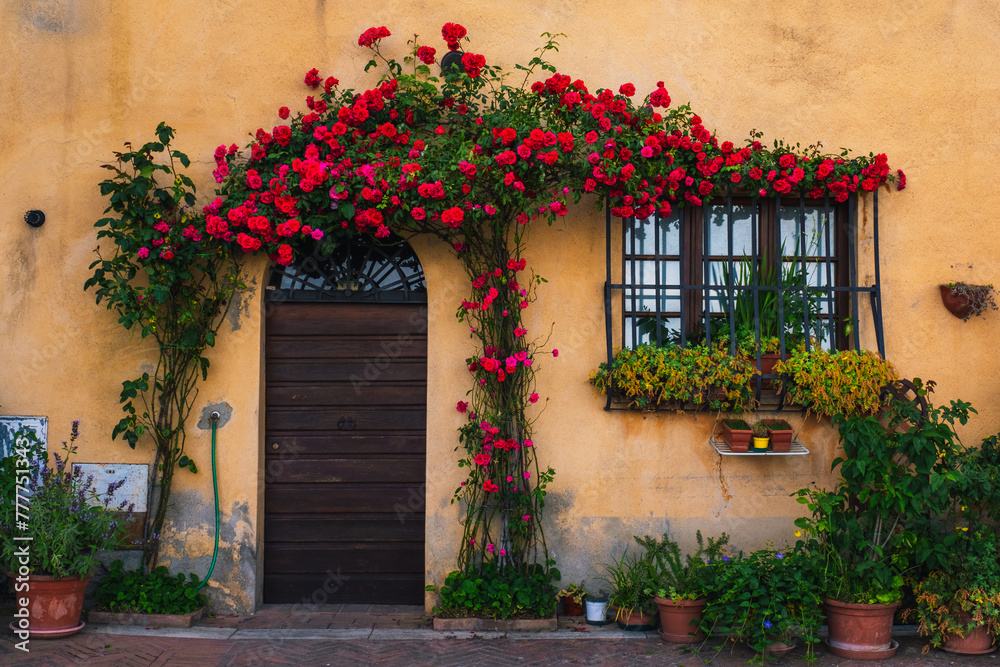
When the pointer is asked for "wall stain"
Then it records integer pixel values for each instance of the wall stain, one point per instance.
(726, 496)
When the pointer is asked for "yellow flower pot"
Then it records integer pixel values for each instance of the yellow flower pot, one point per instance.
(760, 444)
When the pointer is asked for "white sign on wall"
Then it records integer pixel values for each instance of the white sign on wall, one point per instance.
(9, 425)
(136, 476)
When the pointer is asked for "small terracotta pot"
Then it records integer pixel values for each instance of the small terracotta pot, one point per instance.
(859, 629)
(679, 620)
(780, 646)
(767, 362)
(634, 620)
(738, 439)
(54, 605)
(781, 440)
(571, 607)
(977, 641)
(958, 306)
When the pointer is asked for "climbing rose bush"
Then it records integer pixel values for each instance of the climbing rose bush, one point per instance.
(473, 156)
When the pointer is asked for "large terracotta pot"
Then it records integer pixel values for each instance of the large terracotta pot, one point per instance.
(54, 605)
(679, 620)
(977, 641)
(860, 631)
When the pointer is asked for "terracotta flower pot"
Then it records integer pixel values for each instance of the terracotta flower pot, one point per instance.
(780, 646)
(54, 605)
(860, 630)
(767, 362)
(781, 440)
(679, 620)
(633, 620)
(977, 641)
(738, 439)
(571, 607)
(957, 305)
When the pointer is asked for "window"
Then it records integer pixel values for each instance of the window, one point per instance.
(766, 275)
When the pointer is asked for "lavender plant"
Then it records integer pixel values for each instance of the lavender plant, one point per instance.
(68, 520)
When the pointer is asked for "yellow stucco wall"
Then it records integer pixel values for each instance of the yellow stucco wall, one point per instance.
(80, 78)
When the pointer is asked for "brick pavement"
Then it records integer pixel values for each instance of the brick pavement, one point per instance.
(344, 637)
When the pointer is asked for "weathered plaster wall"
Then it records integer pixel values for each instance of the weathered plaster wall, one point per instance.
(81, 78)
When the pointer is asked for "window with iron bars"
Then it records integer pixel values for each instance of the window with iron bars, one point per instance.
(761, 275)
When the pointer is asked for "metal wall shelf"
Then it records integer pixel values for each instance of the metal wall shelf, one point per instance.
(722, 447)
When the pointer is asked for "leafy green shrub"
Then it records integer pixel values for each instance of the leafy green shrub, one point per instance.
(767, 597)
(898, 478)
(682, 577)
(499, 593)
(156, 593)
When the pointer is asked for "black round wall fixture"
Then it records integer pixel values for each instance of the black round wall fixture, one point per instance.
(34, 218)
(451, 63)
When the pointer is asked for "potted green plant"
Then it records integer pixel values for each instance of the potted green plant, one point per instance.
(780, 433)
(737, 434)
(894, 474)
(958, 606)
(767, 599)
(135, 597)
(67, 521)
(848, 383)
(632, 581)
(572, 598)
(958, 603)
(681, 582)
(761, 436)
(963, 300)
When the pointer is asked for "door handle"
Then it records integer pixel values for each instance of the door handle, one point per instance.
(347, 424)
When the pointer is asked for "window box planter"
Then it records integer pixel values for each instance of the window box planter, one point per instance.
(147, 620)
(780, 433)
(737, 434)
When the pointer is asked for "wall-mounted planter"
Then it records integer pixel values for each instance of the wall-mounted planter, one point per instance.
(964, 300)
(956, 304)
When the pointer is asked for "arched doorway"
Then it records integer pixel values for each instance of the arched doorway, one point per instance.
(345, 428)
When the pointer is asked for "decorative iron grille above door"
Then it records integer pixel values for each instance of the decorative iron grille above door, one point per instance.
(356, 271)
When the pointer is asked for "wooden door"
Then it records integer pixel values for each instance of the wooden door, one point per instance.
(345, 423)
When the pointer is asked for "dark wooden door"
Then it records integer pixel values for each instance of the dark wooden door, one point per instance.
(345, 422)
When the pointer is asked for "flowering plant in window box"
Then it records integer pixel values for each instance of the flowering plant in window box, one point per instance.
(649, 377)
(849, 382)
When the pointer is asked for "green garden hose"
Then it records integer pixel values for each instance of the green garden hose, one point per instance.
(215, 485)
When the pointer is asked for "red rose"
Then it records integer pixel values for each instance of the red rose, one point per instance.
(426, 55)
(472, 64)
(462, 406)
(452, 33)
(627, 89)
(283, 113)
(786, 161)
(453, 216)
(372, 35)
(167, 254)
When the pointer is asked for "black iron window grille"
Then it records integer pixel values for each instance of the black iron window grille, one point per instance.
(357, 270)
(764, 274)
